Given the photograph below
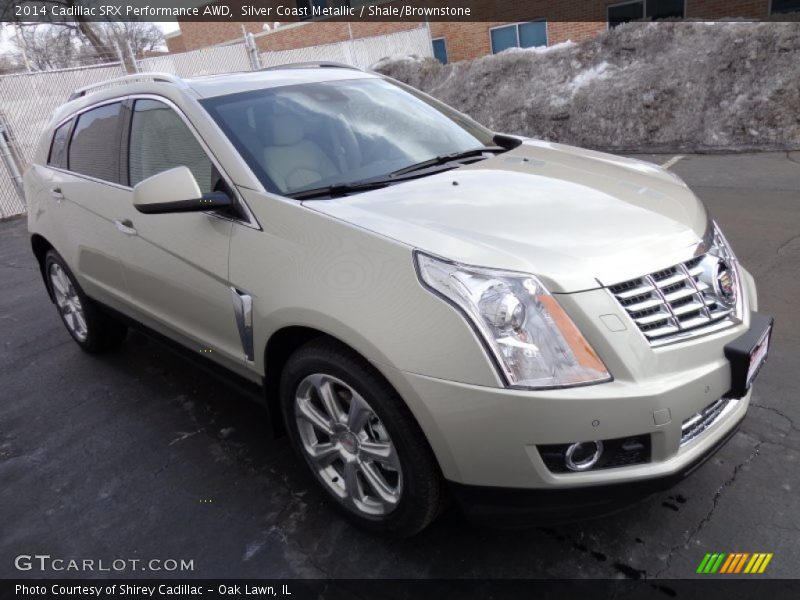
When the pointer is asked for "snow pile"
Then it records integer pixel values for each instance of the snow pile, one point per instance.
(671, 85)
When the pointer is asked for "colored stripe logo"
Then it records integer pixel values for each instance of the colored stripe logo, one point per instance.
(734, 563)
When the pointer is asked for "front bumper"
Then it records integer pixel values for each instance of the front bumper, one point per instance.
(487, 439)
(514, 506)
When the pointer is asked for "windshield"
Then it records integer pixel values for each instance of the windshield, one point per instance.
(301, 137)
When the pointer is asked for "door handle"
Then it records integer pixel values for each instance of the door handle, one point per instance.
(58, 196)
(125, 226)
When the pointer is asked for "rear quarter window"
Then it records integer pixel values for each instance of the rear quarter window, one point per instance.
(94, 148)
(58, 146)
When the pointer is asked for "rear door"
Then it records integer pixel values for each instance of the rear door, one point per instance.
(89, 202)
(177, 271)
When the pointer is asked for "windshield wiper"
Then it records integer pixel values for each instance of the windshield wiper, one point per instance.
(338, 189)
(443, 159)
(341, 189)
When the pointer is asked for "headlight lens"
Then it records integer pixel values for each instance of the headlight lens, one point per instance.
(533, 340)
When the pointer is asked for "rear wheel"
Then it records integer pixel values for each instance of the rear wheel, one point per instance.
(359, 440)
(89, 326)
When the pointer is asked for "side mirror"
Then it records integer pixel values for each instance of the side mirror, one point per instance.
(175, 191)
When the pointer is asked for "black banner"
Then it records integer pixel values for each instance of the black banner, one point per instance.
(382, 11)
(706, 588)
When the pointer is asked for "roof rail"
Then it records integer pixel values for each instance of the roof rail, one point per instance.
(321, 64)
(163, 77)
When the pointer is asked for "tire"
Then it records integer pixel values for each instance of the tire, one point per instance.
(388, 449)
(93, 329)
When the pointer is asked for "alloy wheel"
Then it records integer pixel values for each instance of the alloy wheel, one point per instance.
(347, 445)
(68, 302)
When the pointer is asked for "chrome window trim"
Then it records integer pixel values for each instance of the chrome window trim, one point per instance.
(92, 179)
(251, 221)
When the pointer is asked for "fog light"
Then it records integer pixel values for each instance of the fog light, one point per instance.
(582, 456)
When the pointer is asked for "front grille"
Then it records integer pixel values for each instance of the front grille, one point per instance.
(695, 425)
(679, 301)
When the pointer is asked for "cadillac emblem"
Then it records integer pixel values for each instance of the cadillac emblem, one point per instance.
(724, 283)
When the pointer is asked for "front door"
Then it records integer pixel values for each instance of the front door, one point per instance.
(177, 272)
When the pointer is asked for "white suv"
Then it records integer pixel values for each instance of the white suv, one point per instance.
(434, 309)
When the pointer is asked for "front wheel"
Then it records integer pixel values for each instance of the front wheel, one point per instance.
(359, 440)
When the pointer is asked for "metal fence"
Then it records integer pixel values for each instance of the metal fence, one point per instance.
(360, 52)
(208, 61)
(27, 100)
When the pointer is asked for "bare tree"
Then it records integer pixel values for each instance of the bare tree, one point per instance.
(142, 36)
(8, 64)
(45, 47)
(80, 26)
(59, 44)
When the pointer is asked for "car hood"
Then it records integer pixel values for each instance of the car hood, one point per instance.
(577, 219)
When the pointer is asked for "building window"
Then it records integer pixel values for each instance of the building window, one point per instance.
(655, 9)
(440, 50)
(784, 6)
(518, 35)
(623, 13)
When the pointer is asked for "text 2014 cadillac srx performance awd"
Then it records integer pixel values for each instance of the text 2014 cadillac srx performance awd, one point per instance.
(433, 311)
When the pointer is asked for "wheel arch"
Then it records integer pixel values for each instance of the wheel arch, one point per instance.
(41, 247)
(286, 340)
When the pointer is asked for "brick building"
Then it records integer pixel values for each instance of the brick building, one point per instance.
(554, 22)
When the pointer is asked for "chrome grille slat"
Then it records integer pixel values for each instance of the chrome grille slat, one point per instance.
(698, 423)
(632, 293)
(678, 294)
(654, 318)
(672, 279)
(677, 302)
(688, 308)
(643, 305)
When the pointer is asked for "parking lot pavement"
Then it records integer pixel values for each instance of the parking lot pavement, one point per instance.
(142, 455)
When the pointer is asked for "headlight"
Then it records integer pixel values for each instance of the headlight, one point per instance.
(721, 272)
(534, 342)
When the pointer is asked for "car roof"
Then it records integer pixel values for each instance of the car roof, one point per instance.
(232, 83)
(208, 86)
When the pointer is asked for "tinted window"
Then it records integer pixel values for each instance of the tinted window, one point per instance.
(58, 147)
(625, 12)
(440, 50)
(664, 9)
(785, 6)
(160, 141)
(94, 149)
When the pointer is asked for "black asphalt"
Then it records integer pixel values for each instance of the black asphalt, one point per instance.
(140, 455)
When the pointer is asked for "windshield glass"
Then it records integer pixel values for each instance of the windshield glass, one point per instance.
(306, 136)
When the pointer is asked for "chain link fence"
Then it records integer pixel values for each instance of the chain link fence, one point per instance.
(28, 100)
(359, 52)
(208, 61)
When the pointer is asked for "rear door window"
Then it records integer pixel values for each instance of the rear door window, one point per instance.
(94, 149)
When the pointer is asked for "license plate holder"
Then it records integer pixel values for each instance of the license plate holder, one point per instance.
(748, 353)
